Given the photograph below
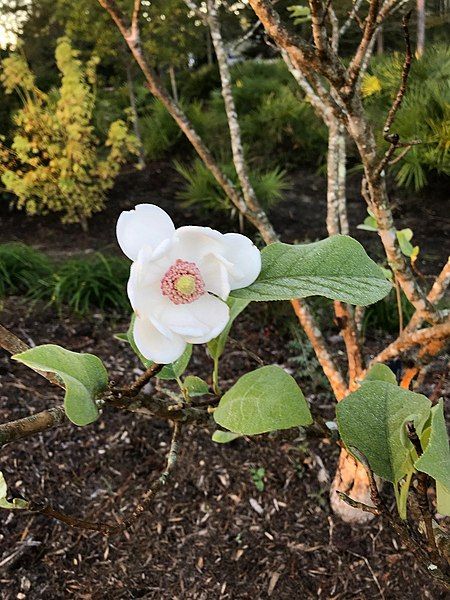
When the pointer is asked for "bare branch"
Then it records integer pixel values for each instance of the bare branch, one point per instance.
(441, 284)
(422, 489)
(358, 59)
(134, 389)
(135, 22)
(230, 109)
(142, 404)
(318, 29)
(394, 139)
(353, 16)
(329, 367)
(22, 428)
(404, 79)
(302, 55)
(407, 340)
(434, 296)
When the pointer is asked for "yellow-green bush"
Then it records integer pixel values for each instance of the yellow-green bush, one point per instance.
(56, 163)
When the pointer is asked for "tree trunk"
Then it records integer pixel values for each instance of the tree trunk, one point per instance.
(209, 54)
(134, 115)
(420, 28)
(380, 42)
(350, 476)
(173, 83)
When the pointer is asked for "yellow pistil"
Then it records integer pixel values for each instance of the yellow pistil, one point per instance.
(185, 285)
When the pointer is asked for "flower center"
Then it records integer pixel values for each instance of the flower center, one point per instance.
(183, 282)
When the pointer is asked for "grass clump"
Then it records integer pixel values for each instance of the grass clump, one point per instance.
(96, 282)
(82, 284)
(23, 269)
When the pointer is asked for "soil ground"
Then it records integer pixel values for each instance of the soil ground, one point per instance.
(211, 533)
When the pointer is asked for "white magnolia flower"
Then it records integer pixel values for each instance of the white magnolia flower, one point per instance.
(180, 279)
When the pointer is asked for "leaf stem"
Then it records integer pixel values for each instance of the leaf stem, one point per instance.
(215, 377)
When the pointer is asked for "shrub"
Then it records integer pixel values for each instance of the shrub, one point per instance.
(204, 192)
(278, 126)
(424, 114)
(160, 133)
(55, 162)
(200, 83)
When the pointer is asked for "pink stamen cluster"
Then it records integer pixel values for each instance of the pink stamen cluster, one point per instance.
(182, 268)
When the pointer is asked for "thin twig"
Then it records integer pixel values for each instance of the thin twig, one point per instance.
(352, 16)
(404, 80)
(394, 139)
(422, 489)
(133, 390)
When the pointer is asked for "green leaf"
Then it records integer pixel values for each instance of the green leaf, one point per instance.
(263, 400)
(16, 504)
(435, 460)
(380, 372)
(443, 499)
(123, 337)
(373, 418)
(172, 371)
(195, 386)
(404, 237)
(177, 368)
(84, 377)
(370, 224)
(217, 345)
(337, 268)
(223, 437)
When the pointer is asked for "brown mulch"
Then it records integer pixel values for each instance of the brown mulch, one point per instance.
(210, 534)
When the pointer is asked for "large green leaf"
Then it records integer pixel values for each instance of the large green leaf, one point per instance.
(84, 377)
(372, 420)
(16, 504)
(172, 371)
(337, 268)
(435, 460)
(381, 372)
(217, 345)
(263, 400)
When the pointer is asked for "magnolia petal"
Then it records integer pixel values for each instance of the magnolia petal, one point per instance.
(144, 289)
(194, 242)
(155, 346)
(216, 276)
(180, 319)
(210, 311)
(146, 225)
(245, 257)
